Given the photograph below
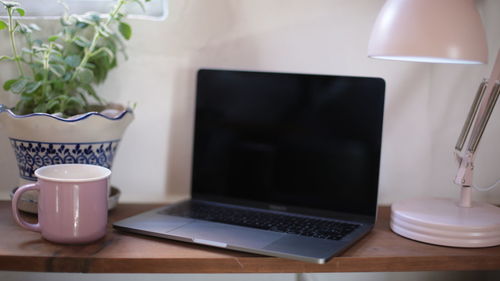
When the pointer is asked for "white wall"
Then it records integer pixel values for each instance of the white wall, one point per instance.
(425, 104)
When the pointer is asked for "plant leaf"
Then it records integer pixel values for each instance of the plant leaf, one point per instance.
(81, 25)
(84, 75)
(9, 4)
(84, 99)
(37, 42)
(40, 108)
(20, 11)
(56, 58)
(5, 58)
(73, 60)
(67, 20)
(8, 84)
(32, 86)
(67, 76)
(125, 30)
(107, 52)
(3, 25)
(90, 66)
(18, 86)
(57, 88)
(91, 92)
(81, 41)
(25, 105)
(52, 103)
(53, 38)
(34, 27)
(26, 96)
(87, 19)
(24, 28)
(57, 69)
(74, 104)
(75, 100)
(92, 16)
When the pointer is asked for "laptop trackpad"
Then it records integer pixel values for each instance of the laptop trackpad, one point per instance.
(221, 235)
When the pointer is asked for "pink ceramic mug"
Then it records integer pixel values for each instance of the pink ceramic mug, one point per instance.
(72, 203)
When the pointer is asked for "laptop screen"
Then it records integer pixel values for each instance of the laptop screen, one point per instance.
(291, 140)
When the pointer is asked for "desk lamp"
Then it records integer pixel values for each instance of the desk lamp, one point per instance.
(444, 31)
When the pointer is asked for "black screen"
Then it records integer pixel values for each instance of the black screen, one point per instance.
(309, 141)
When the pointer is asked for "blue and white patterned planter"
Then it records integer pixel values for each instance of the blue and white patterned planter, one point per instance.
(41, 139)
(32, 155)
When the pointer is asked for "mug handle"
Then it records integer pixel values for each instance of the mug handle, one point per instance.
(15, 211)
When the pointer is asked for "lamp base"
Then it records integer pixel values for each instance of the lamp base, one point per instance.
(443, 222)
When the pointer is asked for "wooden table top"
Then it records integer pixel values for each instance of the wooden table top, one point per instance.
(119, 252)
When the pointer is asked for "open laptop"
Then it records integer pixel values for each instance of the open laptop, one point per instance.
(284, 165)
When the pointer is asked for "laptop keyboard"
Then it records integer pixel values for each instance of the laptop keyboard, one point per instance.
(311, 227)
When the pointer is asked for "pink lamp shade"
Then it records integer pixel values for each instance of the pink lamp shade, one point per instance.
(439, 31)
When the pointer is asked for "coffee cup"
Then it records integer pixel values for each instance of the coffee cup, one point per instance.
(72, 203)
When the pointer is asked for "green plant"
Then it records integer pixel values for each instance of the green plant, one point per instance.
(58, 74)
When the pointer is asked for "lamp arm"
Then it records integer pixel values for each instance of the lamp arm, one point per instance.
(481, 126)
(471, 116)
(481, 110)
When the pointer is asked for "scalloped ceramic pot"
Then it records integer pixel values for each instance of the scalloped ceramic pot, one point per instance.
(41, 139)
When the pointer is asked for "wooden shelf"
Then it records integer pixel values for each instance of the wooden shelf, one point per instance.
(118, 252)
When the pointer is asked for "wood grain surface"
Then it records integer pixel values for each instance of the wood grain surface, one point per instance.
(119, 252)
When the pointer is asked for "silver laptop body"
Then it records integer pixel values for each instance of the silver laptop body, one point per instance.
(284, 165)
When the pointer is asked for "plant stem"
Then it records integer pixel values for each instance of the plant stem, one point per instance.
(97, 35)
(29, 43)
(13, 42)
(46, 58)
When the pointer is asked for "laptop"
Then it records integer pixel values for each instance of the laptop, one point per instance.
(283, 164)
